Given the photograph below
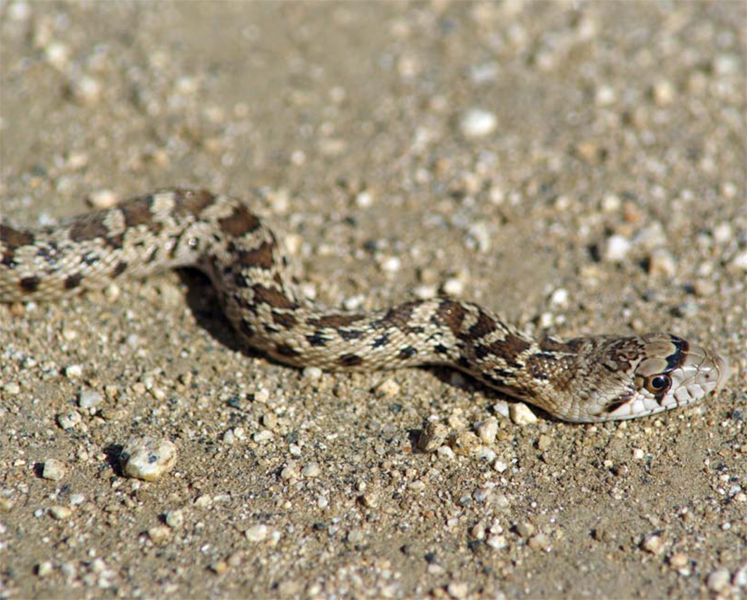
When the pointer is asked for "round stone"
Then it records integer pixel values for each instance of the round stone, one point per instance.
(147, 458)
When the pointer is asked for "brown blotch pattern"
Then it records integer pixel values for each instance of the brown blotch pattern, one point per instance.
(272, 297)
(240, 222)
(261, 257)
(335, 321)
(14, 238)
(452, 315)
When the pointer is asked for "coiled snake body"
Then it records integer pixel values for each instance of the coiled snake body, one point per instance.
(586, 379)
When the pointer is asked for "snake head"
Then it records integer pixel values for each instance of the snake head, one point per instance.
(661, 371)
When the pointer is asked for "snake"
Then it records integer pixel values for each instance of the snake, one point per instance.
(585, 379)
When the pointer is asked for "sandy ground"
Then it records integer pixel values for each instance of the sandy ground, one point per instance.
(579, 167)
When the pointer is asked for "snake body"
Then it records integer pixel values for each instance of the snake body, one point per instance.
(595, 378)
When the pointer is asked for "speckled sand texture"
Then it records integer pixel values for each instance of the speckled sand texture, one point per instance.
(578, 166)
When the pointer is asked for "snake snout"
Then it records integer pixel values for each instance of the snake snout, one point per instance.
(710, 371)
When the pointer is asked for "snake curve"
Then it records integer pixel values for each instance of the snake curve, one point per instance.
(586, 379)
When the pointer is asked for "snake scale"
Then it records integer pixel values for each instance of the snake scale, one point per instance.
(586, 379)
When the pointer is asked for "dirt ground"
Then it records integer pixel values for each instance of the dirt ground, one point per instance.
(577, 166)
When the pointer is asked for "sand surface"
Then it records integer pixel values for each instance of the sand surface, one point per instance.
(578, 167)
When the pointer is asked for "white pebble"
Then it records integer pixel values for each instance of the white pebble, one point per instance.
(487, 430)
(617, 248)
(147, 458)
(501, 408)
(477, 122)
(458, 589)
(256, 533)
(387, 389)
(68, 420)
(53, 469)
(11, 389)
(159, 533)
(638, 454)
(661, 262)
(500, 466)
(653, 543)
(263, 436)
(497, 542)
(521, 414)
(311, 470)
(103, 199)
(391, 264)
(425, 292)
(559, 297)
(313, 373)
(718, 580)
(86, 89)
(88, 398)
(60, 512)
(74, 371)
(175, 518)
(740, 577)
(453, 286)
(740, 261)
(364, 200)
(44, 569)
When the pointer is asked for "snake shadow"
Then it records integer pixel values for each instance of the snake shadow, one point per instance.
(202, 300)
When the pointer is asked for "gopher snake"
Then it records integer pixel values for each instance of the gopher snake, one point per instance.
(596, 378)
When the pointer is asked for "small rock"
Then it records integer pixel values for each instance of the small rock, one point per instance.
(433, 436)
(60, 512)
(86, 89)
(521, 414)
(718, 580)
(387, 389)
(544, 443)
(497, 542)
(678, 560)
(73, 371)
(53, 469)
(88, 398)
(453, 286)
(487, 430)
(256, 533)
(159, 533)
(356, 536)
(501, 408)
(175, 518)
(220, 567)
(458, 589)
(540, 542)
(465, 443)
(44, 569)
(68, 420)
(147, 458)
(203, 501)
(617, 248)
(477, 122)
(661, 262)
(311, 470)
(500, 466)
(11, 389)
(739, 261)
(653, 543)
(663, 92)
(740, 577)
(525, 529)
(102, 199)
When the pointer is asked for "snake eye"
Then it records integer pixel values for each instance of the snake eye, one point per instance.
(658, 384)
